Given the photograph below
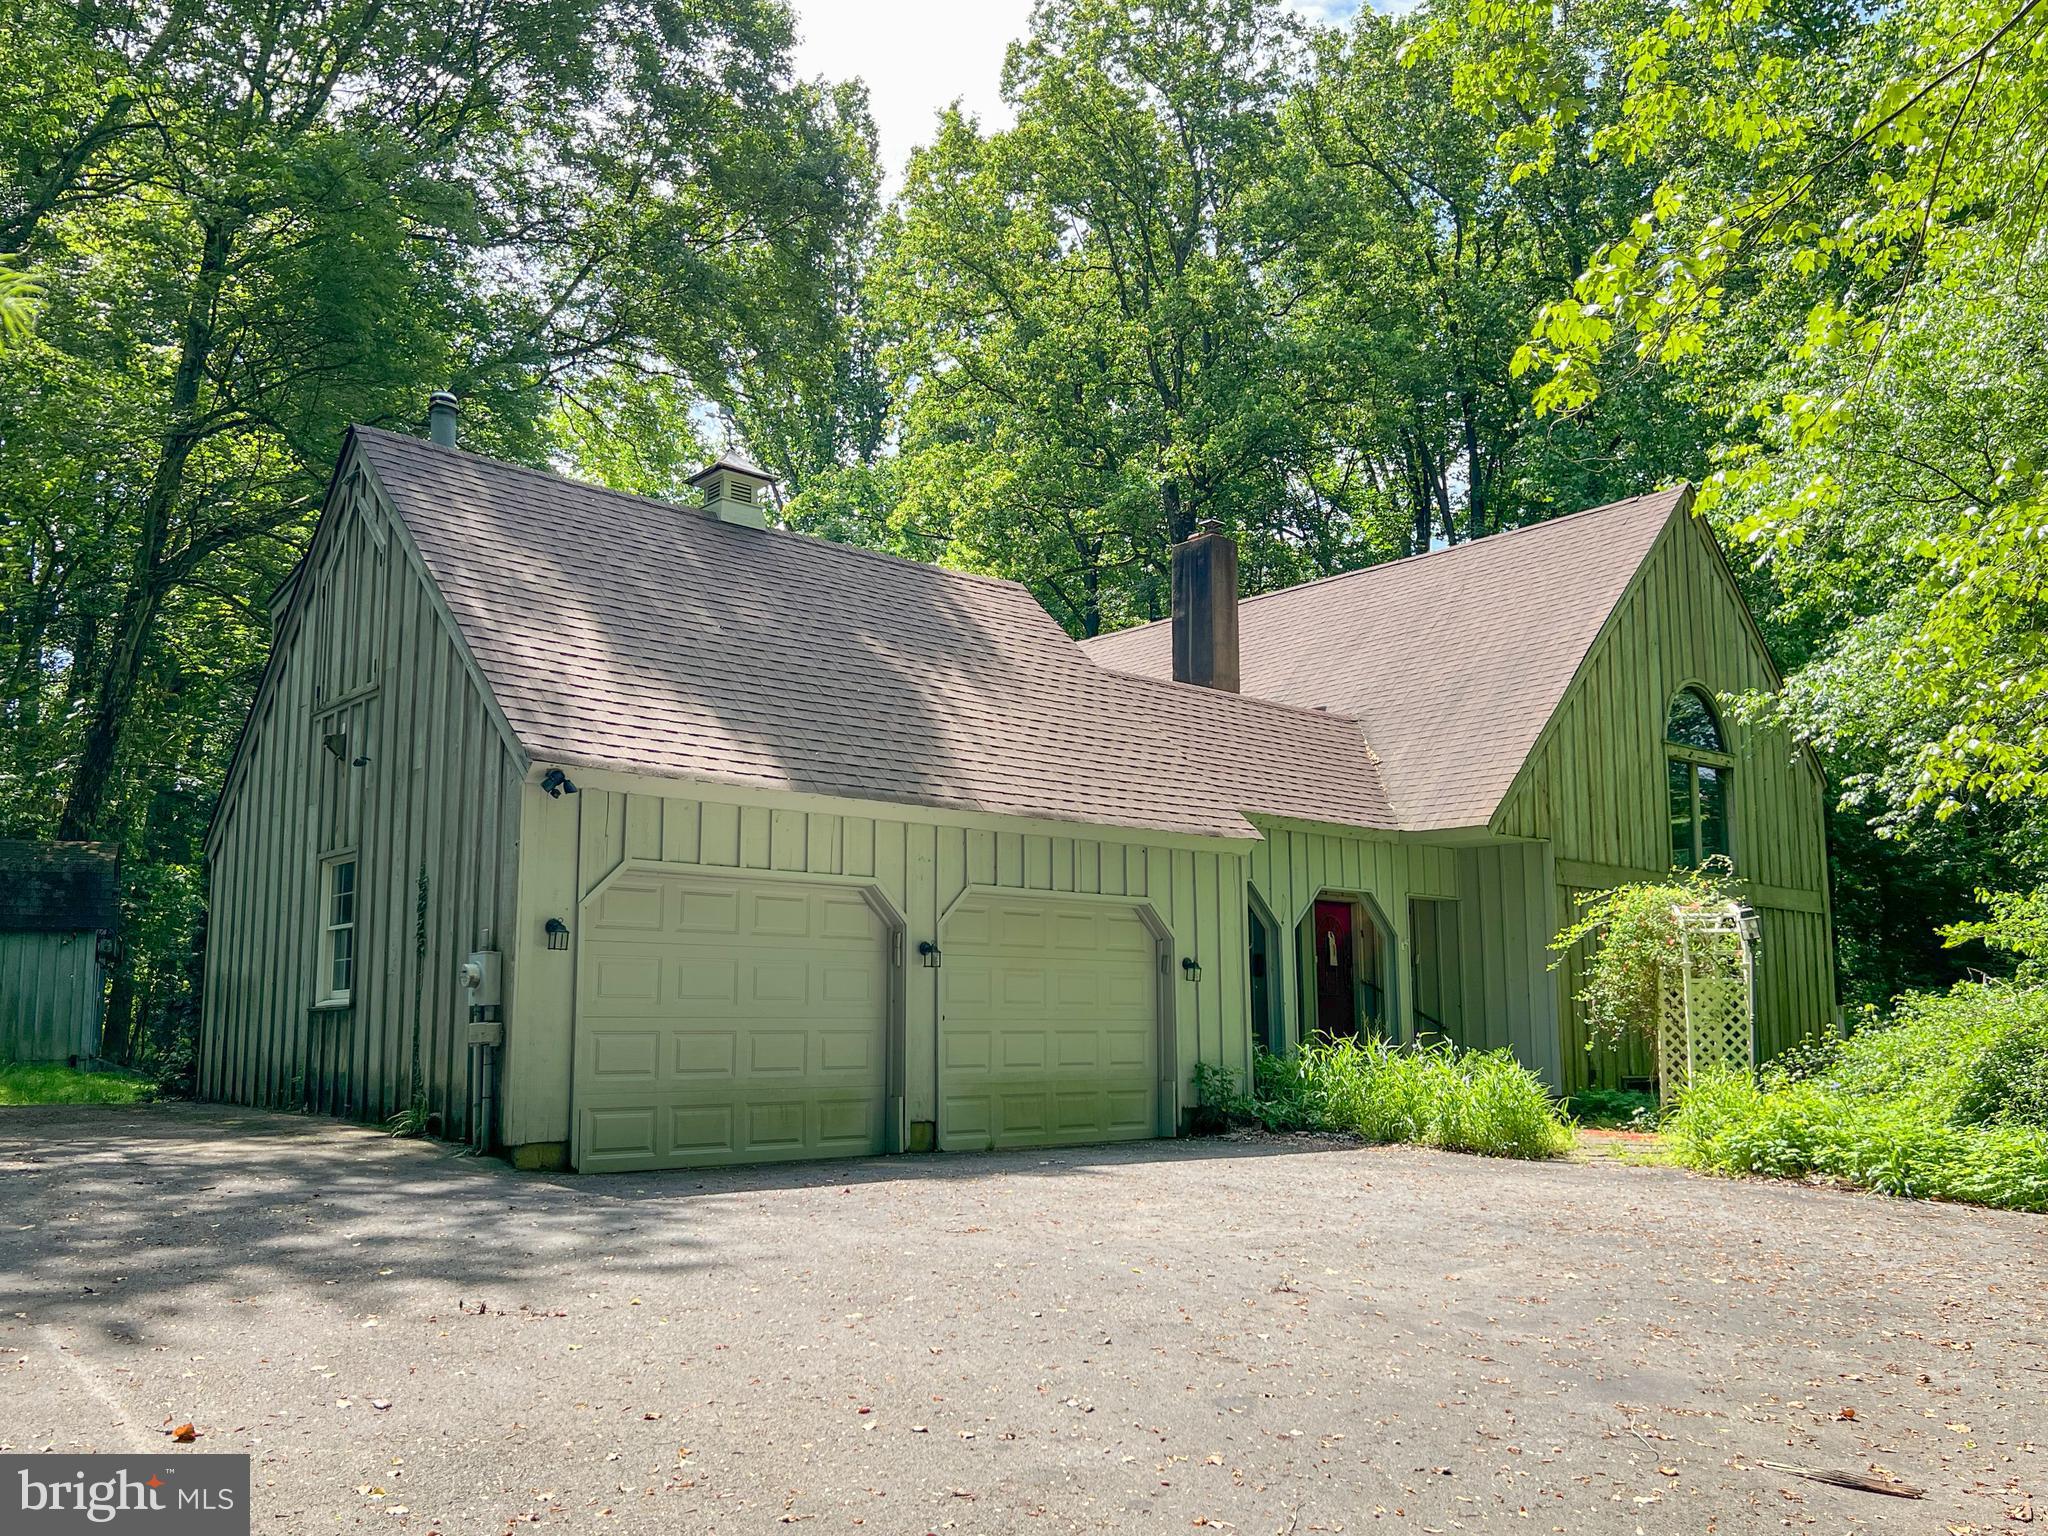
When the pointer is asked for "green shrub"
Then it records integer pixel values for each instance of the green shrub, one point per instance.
(1437, 1096)
(1949, 1100)
(1610, 1108)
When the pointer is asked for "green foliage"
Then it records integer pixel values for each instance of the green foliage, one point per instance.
(1614, 1109)
(2017, 925)
(18, 295)
(602, 222)
(1437, 1096)
(1631, 938)
(46, 1083)
(1948, 1100)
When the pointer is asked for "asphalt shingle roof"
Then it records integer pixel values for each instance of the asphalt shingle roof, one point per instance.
(1452, 661)
(626, 633)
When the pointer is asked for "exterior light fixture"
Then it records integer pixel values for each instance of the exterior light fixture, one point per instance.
(929, 953)
(1191, 968)
(557, 932)
(557, 784)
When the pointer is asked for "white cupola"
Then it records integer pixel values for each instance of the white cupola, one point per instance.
(736, 490)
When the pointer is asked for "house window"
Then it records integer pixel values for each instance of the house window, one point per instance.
(337, 929)
(1697, 769)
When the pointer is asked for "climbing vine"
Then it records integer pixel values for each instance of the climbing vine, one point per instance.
(1632, 935)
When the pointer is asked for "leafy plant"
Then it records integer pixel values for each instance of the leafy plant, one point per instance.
(1632, 931)
(1947, 1100)
(2017, 925)
(1435, 1096)
(1615, 1108)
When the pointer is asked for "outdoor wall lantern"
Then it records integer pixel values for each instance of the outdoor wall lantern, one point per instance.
(1191, 968)
(929, 953)
(557, 932)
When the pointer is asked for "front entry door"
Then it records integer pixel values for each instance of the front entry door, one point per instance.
(1336, 956)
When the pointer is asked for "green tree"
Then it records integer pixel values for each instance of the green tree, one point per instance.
(1084, 313)
(258, 225)
(1425, 261)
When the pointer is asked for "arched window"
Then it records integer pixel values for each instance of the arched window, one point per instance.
(1697, 771)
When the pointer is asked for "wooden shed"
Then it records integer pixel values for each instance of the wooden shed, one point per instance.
(59, 910)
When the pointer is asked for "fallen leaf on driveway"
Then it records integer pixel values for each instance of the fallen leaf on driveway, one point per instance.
(184, 1434)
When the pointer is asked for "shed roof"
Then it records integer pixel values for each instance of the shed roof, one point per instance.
(58, 887)
(621, 632)
(1453, 661)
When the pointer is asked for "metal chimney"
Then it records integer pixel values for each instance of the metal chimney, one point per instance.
(442, 413)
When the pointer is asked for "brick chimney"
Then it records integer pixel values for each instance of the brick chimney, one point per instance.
(1205, 609)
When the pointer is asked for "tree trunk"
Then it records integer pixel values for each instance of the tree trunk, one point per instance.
(1475, 478)
(85, 805)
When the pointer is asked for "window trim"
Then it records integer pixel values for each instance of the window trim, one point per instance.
(327, 995)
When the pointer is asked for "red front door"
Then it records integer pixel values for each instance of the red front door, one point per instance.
(1336, 970)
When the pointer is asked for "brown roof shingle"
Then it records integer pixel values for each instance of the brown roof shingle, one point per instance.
(1452, 661)
(621, 632)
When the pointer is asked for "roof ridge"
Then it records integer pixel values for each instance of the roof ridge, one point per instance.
(1205, 694)
(1427, 554)
(407, 440)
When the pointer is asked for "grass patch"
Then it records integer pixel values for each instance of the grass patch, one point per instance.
(1947, 1101)
(1435, 1096)
(55, 1083)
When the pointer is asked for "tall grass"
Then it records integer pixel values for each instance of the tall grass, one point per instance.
(1435, 1096)
(1947, 1101)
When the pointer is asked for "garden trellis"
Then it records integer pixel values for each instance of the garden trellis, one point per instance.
(1707, 1012)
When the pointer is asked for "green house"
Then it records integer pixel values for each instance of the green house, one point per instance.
(625, 834)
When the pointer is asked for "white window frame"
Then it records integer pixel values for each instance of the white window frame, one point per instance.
(331, 996)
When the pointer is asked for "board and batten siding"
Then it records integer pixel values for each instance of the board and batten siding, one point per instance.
(1294, 864)
(920, 862)
(424, 791)
(1509, 998)
(1594, 789)
(52, 994)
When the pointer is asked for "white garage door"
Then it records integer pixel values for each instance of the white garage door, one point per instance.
(729, 1021)
(1049, 1027)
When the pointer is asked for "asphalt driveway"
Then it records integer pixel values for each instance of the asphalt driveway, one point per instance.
(1262, 1337)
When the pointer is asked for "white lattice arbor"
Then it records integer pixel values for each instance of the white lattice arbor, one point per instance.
(1707, 1013)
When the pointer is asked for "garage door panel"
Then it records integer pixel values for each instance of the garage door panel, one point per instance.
(967, 1049)
(622, 1057)
(762, 1036)
(1049, 1032)
(620, 1132)
(1080, 1050)
(622, 976)
(702, 1131)
(1130, 1112)
(786, 917)
(706, 1055)
(625, 908)
(709, 912)
(847, 986)
(709, 979)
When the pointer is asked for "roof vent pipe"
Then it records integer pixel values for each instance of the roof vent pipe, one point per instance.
(1205, 608)
(442, 411)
